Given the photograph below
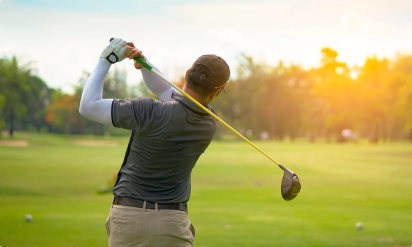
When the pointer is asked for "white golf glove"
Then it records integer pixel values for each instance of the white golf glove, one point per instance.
(115, 51)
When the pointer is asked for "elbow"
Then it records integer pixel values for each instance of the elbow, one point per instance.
(84, 110)
(81, 110)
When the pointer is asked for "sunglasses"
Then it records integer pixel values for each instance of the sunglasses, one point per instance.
(223, 86)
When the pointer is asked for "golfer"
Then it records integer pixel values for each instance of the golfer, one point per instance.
(167, 138)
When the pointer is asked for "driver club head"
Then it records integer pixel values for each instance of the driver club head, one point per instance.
(290, 187)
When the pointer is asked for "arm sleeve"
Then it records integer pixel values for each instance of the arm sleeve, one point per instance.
(134, 114)
(92, 106)
(156, 84)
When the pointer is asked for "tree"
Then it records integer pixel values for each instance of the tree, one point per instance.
(36, 100)
(14, 88)
(334, 91)
(402, 86)
(2, 123)
(265, 99)
(63, 113)
(373, 75)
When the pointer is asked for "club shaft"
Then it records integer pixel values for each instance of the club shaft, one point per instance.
(204, 108)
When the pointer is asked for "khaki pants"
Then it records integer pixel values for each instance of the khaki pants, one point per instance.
(139, 227)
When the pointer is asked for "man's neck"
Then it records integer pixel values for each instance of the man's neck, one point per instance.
(194, 95)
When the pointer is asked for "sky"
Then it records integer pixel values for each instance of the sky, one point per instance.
(62, 39)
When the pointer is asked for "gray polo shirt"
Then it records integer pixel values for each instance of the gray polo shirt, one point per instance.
(167, 139)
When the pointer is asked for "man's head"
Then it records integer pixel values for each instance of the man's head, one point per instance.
(207, 77)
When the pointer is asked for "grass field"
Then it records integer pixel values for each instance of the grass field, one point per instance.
(235, 199)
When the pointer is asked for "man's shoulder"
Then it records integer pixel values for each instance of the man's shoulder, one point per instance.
(152, 101)
(146, 104)
(166, 105)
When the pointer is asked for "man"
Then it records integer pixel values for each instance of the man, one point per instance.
(168, 136)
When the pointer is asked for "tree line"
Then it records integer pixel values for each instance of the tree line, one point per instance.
(374, 100)
(27, 103)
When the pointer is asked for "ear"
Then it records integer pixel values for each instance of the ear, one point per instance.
(220, 90)
(213, 95)
(187, 71)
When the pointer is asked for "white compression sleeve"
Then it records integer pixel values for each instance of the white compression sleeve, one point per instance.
(92, 106)
(156, 84)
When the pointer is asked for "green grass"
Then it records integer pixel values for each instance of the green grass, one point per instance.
(55, 181)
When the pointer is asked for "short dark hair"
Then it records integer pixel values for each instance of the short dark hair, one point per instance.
(200, 87)
(207, 74)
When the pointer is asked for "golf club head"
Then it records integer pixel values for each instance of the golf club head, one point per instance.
(290, 187)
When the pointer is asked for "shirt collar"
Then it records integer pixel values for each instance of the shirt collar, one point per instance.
(186, 102)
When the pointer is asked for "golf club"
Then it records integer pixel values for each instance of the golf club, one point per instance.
(290, 186)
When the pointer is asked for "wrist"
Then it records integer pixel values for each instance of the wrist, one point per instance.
(103, 62)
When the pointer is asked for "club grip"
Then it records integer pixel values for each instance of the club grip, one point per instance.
(146, 65)
(139, 60)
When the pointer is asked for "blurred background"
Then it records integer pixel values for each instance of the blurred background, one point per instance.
(325, 87)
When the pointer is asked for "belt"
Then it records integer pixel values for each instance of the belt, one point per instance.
(127, 201)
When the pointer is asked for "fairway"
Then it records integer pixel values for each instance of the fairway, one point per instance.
(235, 199)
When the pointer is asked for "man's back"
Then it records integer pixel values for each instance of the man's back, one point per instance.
(166, 142)
(149, 207)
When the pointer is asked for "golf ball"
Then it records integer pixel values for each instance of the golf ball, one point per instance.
(359, 225)
(28, 217)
